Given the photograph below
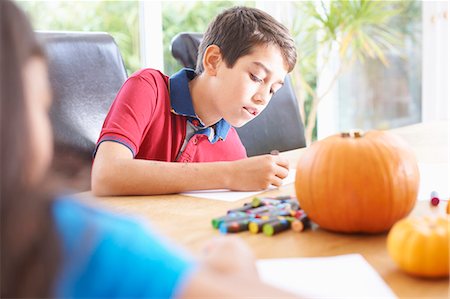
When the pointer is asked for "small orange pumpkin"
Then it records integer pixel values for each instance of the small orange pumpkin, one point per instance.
(420, 246)
(357, 182)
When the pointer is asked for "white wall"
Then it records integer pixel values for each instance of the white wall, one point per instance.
(151, 34)
(435, 66)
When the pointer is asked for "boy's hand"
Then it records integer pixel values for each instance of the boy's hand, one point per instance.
(258, 173)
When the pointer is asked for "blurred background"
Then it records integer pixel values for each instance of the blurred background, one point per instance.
(362, 64)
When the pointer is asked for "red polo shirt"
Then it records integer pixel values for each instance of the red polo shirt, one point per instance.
(155, 119)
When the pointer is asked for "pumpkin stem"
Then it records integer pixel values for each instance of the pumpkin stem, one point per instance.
(353, 134)
(358, 134)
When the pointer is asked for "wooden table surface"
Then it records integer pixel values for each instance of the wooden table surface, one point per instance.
(187, 220)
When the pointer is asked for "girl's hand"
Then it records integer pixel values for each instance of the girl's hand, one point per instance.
(230, 255)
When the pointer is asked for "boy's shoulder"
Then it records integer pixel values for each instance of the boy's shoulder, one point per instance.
(150, 74)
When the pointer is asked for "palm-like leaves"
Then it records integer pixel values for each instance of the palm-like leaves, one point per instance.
(357, 29)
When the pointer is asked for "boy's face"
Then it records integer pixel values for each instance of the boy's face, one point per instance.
(244, 90)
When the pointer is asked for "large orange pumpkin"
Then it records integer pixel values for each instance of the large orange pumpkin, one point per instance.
(355, 182)
(420, 245)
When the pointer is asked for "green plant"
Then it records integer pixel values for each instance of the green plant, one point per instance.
(359, 29)
(356, 29)
(118, 18)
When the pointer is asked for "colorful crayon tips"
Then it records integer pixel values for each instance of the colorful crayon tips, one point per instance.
(275, 227)
(229, 217)
(434, 198)
(434, 201)
(256, 225)
(301, 223)
(234, 226)
(269, 215)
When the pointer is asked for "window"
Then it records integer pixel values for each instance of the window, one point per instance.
(118, 18)
(412, 85)
(373, 95)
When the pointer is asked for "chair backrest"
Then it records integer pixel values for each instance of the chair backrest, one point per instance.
(86, 71)
(278, 127)
(184, 47)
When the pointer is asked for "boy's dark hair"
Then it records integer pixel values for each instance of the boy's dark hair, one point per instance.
(237, 30)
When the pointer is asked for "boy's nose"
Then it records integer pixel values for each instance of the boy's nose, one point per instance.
(259, 99)
(262, 97)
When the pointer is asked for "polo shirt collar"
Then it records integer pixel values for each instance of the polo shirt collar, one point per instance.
(181, 104)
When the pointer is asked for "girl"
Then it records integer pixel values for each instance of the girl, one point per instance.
(61, 248)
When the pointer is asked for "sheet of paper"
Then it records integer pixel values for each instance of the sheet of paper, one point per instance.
(434, 177)
(227, 195)
(344, 276)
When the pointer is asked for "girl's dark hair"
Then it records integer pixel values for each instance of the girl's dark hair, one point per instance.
(237, 30)
(29, 244)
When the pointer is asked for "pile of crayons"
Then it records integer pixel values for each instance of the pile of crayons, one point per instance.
(269, 215)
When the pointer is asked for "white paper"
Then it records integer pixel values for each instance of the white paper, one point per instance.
(433, 177)
(344, 276)
(227, 195)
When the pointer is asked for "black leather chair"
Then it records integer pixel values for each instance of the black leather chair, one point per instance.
(278, 127)
(86, 71)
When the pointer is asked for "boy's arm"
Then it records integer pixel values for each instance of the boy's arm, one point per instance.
(116, 172)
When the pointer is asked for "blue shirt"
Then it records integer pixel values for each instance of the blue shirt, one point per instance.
(107, 256)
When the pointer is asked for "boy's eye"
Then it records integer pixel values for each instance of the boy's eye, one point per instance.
(256, 79)
(272, 90)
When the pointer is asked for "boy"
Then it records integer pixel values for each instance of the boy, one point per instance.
(156, 122)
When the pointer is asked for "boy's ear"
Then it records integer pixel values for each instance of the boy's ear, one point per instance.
(212, 59)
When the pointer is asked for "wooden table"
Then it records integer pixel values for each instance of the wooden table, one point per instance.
(187, 220)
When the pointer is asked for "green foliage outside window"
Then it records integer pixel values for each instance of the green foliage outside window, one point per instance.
(360, 29)
(121, 20)
(118, 18)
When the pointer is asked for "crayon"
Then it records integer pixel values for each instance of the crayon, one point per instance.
(276, 212)
(287, 206)
(301, 223)
(257, 202)
(293, 202)
(261, 209)
(297, 213)
(282, 197)
(232, 216)
(255, 225)
(234, 226)
(275, 227)
(244, 208)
